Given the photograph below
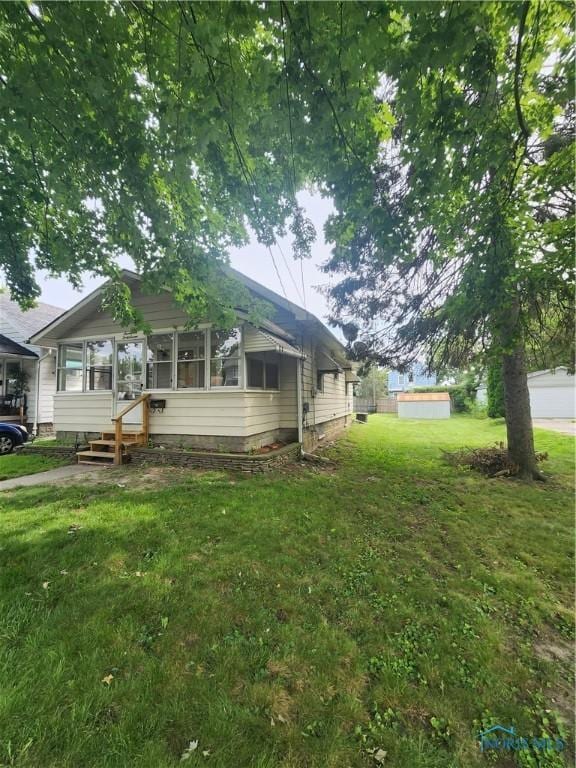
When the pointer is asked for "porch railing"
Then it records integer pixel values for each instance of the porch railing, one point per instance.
(118, 424)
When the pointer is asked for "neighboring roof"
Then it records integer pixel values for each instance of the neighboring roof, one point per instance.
(18, 325)
(422, 397)
(328, 338)
(9, 347)
(558, 368)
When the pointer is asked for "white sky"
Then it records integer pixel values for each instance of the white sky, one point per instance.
(253, 260)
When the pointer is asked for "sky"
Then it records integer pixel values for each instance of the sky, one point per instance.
(253, 260)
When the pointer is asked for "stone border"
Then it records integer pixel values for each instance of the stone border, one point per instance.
(240, 462)
(56, 451)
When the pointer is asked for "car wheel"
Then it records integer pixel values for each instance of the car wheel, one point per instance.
(6, 444)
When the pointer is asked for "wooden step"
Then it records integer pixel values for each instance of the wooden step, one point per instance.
(127, 437)
(111, 443)
(91, 455)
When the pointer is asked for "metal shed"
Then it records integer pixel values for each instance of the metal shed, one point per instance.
(424, 405)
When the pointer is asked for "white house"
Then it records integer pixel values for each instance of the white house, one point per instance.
(286, 380)
(552, 394)
(26, 366)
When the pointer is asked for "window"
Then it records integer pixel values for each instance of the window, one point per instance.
(262, 370)
(320, 381)
(12, 377)
(271, 372)
(225, 358)
(70, 357)
(255, 370)
(99, 356)
(159, 361)
(191, 366)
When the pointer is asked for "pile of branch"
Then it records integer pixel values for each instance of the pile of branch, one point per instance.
(492, 462)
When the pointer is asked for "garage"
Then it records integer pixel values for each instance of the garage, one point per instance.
(552, 394)
(423, 405)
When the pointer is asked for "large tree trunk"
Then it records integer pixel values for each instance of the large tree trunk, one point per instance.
(518, 417)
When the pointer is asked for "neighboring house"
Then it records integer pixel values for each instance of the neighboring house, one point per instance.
(552, 394)
(25, 367)
(286, 380)
(416, 376)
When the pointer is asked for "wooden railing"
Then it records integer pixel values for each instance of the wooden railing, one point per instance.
(118, 424)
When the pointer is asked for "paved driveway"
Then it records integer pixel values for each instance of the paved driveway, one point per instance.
(564, 426)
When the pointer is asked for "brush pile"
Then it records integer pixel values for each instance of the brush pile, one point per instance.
(492, 462)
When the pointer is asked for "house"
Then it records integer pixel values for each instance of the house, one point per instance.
(415, 376)
(27, 372)
(423, 405)
(284, 380)
(552, 394)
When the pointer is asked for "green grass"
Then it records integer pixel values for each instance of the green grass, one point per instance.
(296, 619)
(17, 465)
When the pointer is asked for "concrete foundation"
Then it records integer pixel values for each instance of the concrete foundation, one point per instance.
(324, 432)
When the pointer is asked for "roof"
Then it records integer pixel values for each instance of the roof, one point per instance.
(562, 368)
(9, 347)
(18, 325)
(422, 397)
(328, 338)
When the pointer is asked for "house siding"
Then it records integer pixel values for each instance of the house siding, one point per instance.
(236, 419)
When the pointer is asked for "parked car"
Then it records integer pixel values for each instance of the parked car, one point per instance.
(11, 436)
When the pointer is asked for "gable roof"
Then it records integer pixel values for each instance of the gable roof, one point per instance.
(18, 325)
(85, 307)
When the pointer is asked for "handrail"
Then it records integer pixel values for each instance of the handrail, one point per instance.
(118, 425)
(133, 404)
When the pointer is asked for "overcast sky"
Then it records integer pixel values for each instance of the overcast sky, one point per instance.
(253, 260)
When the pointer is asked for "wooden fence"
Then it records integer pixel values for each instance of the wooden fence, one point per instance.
(382, 405)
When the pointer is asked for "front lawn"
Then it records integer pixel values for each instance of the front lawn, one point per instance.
(381, 613)
(17, 465)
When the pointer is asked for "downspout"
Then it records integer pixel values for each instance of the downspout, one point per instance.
(300, 414)
(37, 395)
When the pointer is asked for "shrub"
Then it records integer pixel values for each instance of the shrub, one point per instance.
(495, 391)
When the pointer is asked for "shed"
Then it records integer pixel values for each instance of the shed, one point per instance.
(424, 405)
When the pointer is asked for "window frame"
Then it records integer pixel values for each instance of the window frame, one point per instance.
(240, 357)
(86, 367)
(177, 334)
(320, 381)
(170, 362)
(264, 388)
(205, 329)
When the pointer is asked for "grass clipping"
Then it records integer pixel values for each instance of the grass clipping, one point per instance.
(492, 461)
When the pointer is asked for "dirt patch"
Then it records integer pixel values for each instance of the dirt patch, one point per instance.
(559, 652)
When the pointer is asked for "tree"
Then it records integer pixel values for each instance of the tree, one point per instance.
(464, 241)
(373, 384)
(164, 131)
(495, 391)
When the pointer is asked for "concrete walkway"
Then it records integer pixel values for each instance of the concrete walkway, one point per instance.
(564, 426)
(51, 476)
